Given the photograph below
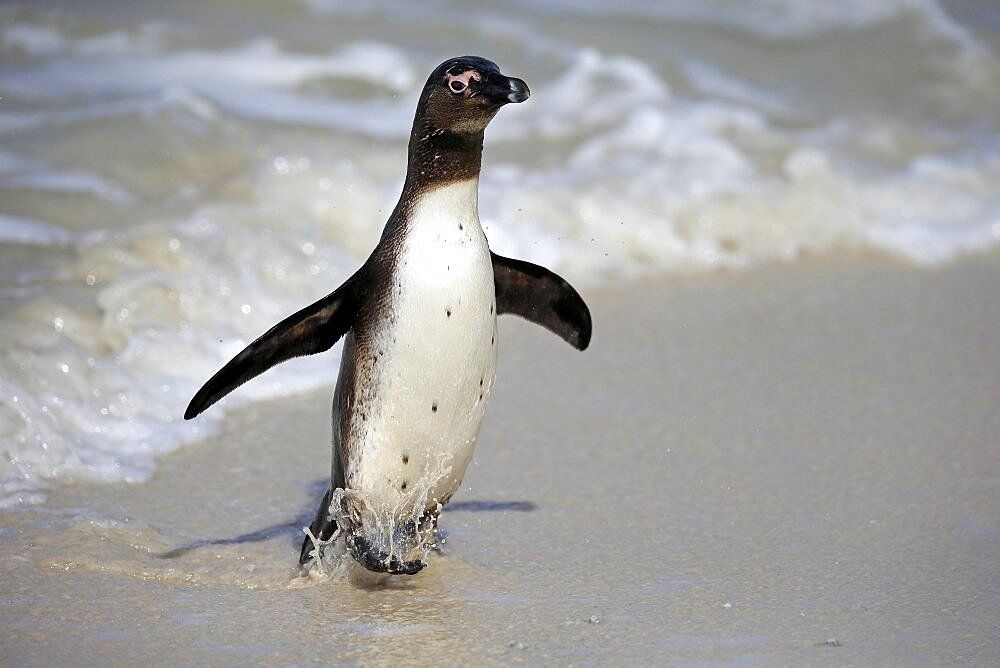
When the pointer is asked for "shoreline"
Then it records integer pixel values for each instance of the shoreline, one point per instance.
(744, 466)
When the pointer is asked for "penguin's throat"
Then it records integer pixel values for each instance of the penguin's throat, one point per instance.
(438, 157)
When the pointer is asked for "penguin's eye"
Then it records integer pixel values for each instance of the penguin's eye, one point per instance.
(457, 85)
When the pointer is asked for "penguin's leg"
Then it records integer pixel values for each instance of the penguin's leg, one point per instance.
(322, 528)
(428, 528)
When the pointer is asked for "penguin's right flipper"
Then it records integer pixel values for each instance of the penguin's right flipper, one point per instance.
(542, 297)
(312, 330)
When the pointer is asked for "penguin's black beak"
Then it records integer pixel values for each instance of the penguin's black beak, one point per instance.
(500, 89)
(518, 90)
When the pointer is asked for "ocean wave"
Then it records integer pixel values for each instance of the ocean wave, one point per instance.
(777, 19)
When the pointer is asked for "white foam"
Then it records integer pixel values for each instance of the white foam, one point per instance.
(779, 19)
(34, 40)
(259, 80)
(101, 396)
(714, 82)
(14, 229)
(69, 182)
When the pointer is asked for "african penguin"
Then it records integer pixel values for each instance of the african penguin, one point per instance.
(420, 338)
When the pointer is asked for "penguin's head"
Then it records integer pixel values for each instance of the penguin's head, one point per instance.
(463, 94)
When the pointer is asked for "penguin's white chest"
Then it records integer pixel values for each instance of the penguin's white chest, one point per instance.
(440, 356)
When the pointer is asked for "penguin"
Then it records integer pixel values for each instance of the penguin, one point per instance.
(419, 323)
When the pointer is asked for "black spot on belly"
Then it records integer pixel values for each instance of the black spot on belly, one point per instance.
(460, 226)
(448, 312)
(403, 486)
(406, 459)
(434, 407)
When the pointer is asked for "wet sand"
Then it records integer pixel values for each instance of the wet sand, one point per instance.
(796, 464)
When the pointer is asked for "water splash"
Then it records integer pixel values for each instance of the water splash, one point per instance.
(404, 529)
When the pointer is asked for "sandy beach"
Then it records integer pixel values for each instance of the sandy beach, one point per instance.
(789, 465)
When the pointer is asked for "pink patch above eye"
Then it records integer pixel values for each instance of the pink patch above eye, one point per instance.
(464, 78)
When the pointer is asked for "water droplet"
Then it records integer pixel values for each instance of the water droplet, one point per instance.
(58, 324)
(175, 244)
(64, 368)
(245, 309)
(91, 279)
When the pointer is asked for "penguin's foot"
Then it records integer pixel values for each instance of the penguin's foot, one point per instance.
(380, 562)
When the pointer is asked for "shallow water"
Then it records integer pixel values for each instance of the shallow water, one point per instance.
(175, 179)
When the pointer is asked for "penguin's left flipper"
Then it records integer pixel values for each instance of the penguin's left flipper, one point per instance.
(312, 330)
(542, 297)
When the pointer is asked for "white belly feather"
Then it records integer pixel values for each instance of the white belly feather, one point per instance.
(440, 357)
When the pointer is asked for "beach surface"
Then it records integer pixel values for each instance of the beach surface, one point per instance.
(794, 464)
